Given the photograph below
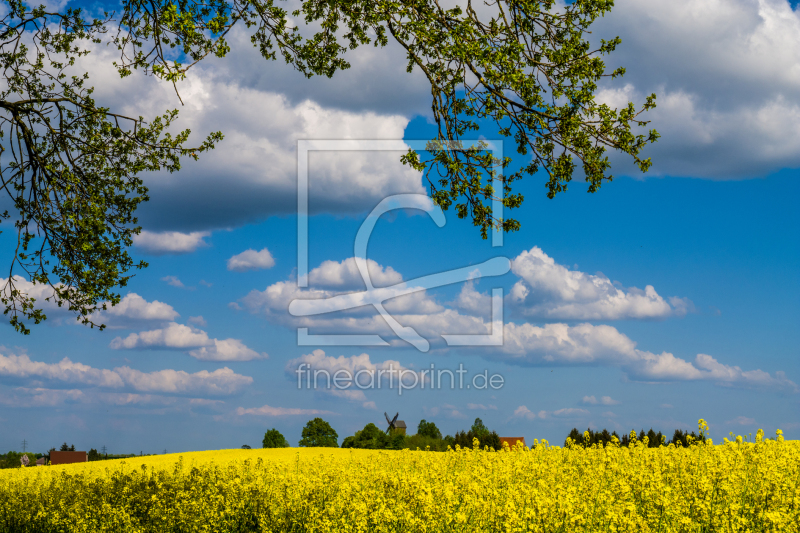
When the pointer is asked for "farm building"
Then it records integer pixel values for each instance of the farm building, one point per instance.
(400, 427)
(65, 458)
(41, 461)
(512, 441)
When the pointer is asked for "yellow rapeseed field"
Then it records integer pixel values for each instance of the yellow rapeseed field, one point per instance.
(734, 486)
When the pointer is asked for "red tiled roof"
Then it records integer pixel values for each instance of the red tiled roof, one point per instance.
(512, 441)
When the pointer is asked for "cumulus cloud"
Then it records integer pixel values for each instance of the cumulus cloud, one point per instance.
(251, 260)
(170, 242)
(173, 281)
(43, 293)
(190, 339)
(563, 292)
(226, 350)
(222, 381)
(481, 407)
(605, 400)
(587, 344)
(262, 122)
(174, 335)
(21, 397)
(133, 306)
(552, 291)
(742, 421)
(524, 413)
(685, 51)
(266, 410)
(21, 366)
(198, 321)
(344, 275)
(319, 371)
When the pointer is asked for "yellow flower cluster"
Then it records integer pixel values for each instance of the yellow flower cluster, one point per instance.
(736, 486)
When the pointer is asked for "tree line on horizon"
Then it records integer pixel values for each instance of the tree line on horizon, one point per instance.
(319, 433)
(654, 439)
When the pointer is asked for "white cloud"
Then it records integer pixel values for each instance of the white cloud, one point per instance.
(21, 397)
(275, 299)
(742, 421)
(195, 341)
(220, 382)
(605, 400)
(524, 413)
(173, 281)
(131, 307)
(481, 407)
(267, 410)
(251, 260)
(174, 335)
(358, 368)
(345, 275)
(235, 178)
(226, 350)
(41, 292)
(42, 397)
(549, 290)
(135, 307)
(170, 242)
(526, 343)
(603, 345)
(727, 75)
(198, 321)
(21, 366)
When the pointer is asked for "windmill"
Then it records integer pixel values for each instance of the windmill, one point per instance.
(395, 425)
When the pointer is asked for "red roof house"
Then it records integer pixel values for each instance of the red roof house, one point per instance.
(511, 441)
(65, 458)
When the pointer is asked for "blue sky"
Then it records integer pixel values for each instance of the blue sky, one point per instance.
(713, 229)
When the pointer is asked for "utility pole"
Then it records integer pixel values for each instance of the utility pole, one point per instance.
(165, 451)
(24, 445)
(104, 451)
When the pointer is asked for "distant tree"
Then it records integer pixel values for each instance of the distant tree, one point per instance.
(93, 455)
(372, 438)
(273, 439)
(492, 440)
(319, 433)
(428, 429)
(478, 429)
(246, 447)
(64, 447)
(576, 437)
(465, 440)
